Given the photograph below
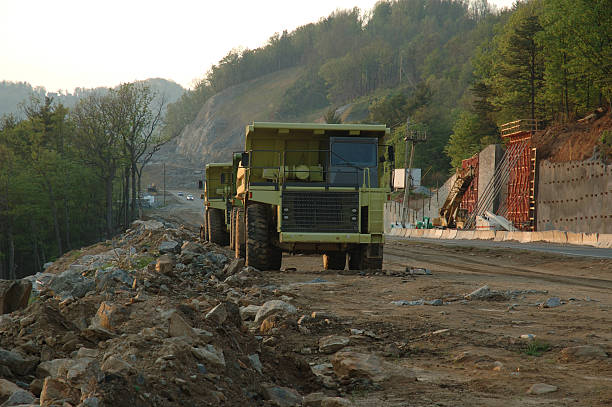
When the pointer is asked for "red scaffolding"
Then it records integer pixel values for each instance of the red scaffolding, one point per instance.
(519, 206)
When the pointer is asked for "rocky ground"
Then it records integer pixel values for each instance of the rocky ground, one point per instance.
(157, 318)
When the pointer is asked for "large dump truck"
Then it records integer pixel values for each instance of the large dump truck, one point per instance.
(313, 188)
(219, 189)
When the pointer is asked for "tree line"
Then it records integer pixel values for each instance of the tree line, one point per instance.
(457, 68)
(71, 177)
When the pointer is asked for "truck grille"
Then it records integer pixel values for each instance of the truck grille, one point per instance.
(328, 212)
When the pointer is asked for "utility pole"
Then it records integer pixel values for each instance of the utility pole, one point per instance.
(164, 164)
(412, 136)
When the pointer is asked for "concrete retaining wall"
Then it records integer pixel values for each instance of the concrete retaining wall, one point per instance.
(603, 240)
(574, 197)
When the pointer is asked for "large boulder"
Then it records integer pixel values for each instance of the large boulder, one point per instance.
(584, 352)
(274, 307)
(332, 343)
(282, 396)
(357, 365)
(71, 283)
(14, 295)
(58, 391)
(17, 363)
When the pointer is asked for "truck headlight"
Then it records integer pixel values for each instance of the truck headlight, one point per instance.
(353, 218)
(285, 217)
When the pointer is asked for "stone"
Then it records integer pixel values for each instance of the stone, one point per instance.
(332, 343)
(178, 327)
(541, 388)
(218, 314)
(481, 293)
(17, 363)
(209, 354)
(7, 388)
(71, 283)
(349, 364)
(54, 368)
(234, 266)
(313, 399)
(249, 312)
(165, 265)
(150, 224)
(405, 302)
(91, 402)
(273, 307)
(19, 397)
(169, 246)
(281, 396)
(217, 258)
(58, 391)
(191, 247)
(112, 278)
(115, 365)
(36, 386)
(584, 352)
(552, 302)
(110, 315)
(87, 353)
(256, 363)
(80, 369)
(14, 295)
(336, 402)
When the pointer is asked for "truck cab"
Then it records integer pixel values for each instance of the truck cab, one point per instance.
(314, 188)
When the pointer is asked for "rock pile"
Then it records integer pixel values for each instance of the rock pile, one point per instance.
(155, 318)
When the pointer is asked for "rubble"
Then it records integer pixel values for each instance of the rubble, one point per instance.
(152, 318)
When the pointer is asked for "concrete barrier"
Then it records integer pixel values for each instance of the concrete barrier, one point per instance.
(516, 236)
(574, 238)
(559, 237)
(428, 233)
(604, 240)
(395, 231)
(484, 235)
(590, 239)
(417, 232)
(500, 235)
(452, 233)
(437, 233)
(537, 237)
(465, 234)
(548, 236)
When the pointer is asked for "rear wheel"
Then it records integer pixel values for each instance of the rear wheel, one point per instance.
(204, 227)
(260, 250)
(217, 230)
(366, 257)
(232, 239)
(239, 233)
(334, 261)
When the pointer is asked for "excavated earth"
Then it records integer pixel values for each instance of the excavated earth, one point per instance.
(157, 318)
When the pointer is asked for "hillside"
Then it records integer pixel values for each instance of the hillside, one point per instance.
(218, 129)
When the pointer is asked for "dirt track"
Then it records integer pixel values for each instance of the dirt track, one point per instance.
(464, 352)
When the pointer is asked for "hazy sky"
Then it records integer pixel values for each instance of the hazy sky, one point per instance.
(63, 44)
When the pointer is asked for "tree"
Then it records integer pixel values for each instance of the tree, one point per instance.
(465, 141)
(521, 67)
(332, 116)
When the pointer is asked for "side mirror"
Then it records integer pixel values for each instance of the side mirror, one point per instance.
(391, 153)
(200, 184)
(244, 159)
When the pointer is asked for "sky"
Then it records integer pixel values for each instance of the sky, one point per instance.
(63, 44)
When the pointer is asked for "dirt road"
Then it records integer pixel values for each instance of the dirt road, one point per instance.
(464, 352)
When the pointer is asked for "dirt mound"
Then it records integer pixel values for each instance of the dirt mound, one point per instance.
(575, 141)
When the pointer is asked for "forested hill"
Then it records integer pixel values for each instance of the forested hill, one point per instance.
(12, 94)
(454, 67)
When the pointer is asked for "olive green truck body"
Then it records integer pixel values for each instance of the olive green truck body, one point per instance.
(219, 189)
(312, 188)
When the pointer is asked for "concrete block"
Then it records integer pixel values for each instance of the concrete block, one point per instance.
(548, 236)
(405, 232)
(537, 236)
(484, 235)
(452, 233)
(526, 237)
(465, 234)
(604, 240)
(417, 232)
(590, 239)
(437, 233)
(559, 237)
(516, 236)
(395, 231)
(500, 235)
(574, 238)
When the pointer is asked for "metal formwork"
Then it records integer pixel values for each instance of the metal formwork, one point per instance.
(519, 207)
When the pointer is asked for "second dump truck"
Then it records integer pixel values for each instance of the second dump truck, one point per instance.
(312, 188)
(219, 189)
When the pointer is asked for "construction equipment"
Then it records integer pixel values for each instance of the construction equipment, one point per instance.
(450, 215)
(219, 188)
(314, 188)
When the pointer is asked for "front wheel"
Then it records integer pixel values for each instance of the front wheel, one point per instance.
(366, 257)
(260, 250)
(334, 261)
(217, 230)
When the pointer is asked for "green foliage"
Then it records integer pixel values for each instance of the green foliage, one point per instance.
(308, 93)
(536, 348)
(331, 116)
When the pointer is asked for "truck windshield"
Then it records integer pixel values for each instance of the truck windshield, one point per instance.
(357, 154)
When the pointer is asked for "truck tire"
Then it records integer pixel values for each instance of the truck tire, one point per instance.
(239, 234)
(260, 251)
(217, 230)
(232, 238)
(204, 227)
(334, 261)
(359, 260)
